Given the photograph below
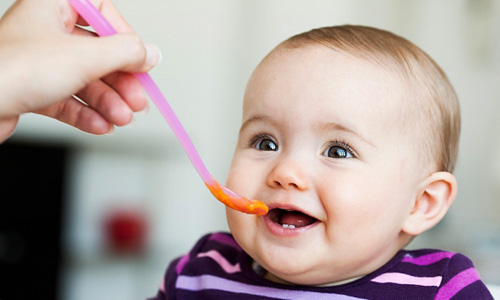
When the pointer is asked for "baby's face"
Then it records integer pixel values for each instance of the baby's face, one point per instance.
(320, 145)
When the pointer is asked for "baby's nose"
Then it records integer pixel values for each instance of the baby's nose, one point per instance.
(288, 174)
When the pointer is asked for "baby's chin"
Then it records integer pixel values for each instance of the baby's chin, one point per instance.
(288, 273)
(309, 279)
(281, 271)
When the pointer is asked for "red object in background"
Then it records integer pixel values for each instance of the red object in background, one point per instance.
(125, 231)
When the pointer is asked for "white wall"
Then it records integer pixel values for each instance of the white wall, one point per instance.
(210, 48)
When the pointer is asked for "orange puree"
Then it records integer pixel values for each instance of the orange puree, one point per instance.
(237, 202)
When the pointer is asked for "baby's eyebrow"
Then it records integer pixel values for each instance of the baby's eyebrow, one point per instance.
(332, 126)
(256, 119)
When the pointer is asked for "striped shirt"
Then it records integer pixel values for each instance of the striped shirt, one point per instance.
(217, 268)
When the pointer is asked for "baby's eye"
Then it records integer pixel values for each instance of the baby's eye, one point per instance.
(337, 151)
(266, 145)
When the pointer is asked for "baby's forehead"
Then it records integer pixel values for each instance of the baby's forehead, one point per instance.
(314, 73)
(324, 70)
(374, 63)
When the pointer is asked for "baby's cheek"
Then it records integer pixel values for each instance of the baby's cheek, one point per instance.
(235, 219)
(241, 180)
(241, 227)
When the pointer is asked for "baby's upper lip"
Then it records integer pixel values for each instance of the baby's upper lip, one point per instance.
(289, 207)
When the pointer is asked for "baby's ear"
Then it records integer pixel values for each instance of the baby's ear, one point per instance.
(435, 196)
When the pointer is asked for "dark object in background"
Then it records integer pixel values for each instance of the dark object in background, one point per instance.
(31, 207)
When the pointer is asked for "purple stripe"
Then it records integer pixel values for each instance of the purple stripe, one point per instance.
(182, 262)
(457, 283)
(209, 282)
(428, 259)
(225, 239)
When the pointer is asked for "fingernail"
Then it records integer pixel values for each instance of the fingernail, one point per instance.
(153, 54)
(111, 130)
(144, 111)
(131, 124)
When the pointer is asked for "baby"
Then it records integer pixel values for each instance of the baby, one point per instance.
(350, 137)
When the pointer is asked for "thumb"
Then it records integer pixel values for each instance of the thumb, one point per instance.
(121, 52)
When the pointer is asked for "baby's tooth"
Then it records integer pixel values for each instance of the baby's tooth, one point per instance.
(285, 225)
(291, 226)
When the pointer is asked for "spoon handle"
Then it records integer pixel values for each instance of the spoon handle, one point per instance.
(103, 28)
(231, 199)
(174, 123)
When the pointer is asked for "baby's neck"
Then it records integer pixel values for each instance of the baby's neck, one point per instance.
(271, 277)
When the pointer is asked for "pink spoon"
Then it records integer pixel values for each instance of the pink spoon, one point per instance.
(231, 199)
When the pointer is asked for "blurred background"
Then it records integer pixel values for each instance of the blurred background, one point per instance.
(89, 217)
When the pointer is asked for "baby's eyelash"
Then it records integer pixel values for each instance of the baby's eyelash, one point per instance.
(343, 144)
(257, 137)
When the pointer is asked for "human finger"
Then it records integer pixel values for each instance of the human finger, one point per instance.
(107, 102)
(78, 115)
(125, 84)
(129, 89)
(125, 52)
(7, 127)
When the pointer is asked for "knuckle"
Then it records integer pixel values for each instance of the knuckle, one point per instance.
(135, 47)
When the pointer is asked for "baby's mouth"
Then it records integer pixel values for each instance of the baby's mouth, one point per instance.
(290, 219)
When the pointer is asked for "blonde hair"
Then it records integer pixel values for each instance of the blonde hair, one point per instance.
(434, 105)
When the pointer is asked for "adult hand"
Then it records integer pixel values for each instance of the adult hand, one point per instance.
(45, 59)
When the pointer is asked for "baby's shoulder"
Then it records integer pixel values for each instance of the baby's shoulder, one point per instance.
(220, 241)
(435, 273)
(215, 256)
(434, 260)
(218, 248)
(453, 274)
